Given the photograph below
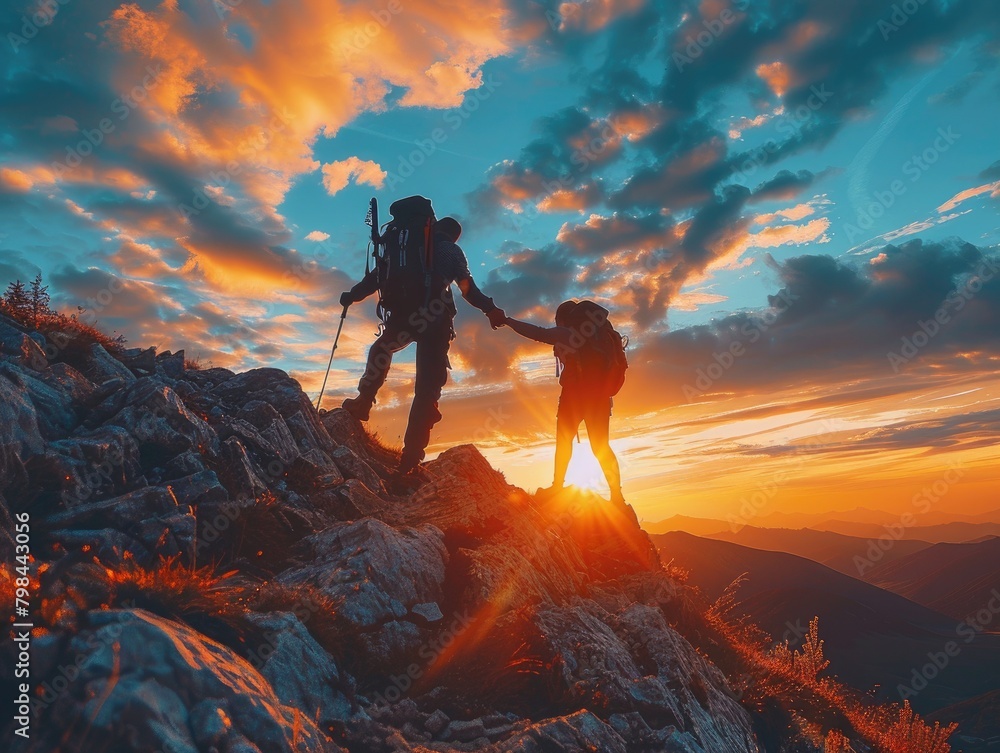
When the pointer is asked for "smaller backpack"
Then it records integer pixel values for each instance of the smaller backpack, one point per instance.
(600, 361)
(406, 263)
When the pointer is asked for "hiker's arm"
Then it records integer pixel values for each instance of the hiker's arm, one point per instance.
(547, 335)
(475, 296)
(367, 286)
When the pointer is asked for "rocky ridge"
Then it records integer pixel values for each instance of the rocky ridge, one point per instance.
(279, 597)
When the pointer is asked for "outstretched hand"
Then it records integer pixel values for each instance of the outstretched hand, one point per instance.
(497, 317)
(346, 299)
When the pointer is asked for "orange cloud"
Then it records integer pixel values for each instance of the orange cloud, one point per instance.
(336, 175)
(991, 188)
(15, 180)
(776, 75)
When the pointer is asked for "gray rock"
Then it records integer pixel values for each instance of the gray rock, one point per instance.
(109, 545)
(161, 422)
(581, 732)
(436, 722)
(464, 732)
(358, 501)
(159, 680)
(54, 408)
(117, 512)
(22, 349)
(101, 366)
(375, 573)
(199, 489)
(63, 377)
(237, 471)
(300, 671)
(20, 437)
(97, 465)
(309, 432)
(186, 464)
(353, 466)
(430, 611)
(171, 364)
(169, 535)
(138, 361)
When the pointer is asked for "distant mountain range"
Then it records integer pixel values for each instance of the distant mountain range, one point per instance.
(846, 554)
(954, 579)
(873, 636)
(934, 527)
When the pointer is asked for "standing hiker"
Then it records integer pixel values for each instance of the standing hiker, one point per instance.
(413, 276)
(591, 362)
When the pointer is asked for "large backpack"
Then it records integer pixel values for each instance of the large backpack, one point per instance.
(405, 261)
(599, 362)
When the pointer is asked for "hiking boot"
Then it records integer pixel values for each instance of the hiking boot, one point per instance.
(407, 479)
(358, 407)
(549, 491)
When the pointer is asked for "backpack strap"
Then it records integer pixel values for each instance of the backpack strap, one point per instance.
(428, 258)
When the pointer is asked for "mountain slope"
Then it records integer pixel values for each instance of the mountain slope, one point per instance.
(845, 554)
(954, 579)
(222, 568)
(873, 637)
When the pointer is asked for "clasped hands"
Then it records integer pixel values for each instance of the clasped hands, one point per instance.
(497, 317)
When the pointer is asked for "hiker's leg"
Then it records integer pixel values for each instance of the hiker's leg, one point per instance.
(432, 373)
(391, 341)
(598, 429)
(567, 423)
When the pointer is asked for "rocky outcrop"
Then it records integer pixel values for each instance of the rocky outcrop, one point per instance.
(466, 615)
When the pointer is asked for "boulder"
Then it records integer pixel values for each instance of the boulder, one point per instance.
(54, 408)
(162, 423)
(199, 489)
(63, 377)
(375, 574)
(138, 361)
(171, 534)
(299, 670)
(117, 512)
(170, 365)
(20, 437)
(581, 732)
(354, 467)
(100, 464)
(100, 366)
(238, 472)
(22, 349)
(148, 683)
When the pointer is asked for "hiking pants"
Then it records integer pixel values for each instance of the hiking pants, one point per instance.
(595, 411)
(432, 373)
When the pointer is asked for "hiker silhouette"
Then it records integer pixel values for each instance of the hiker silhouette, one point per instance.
(421, 260)
(591, 358)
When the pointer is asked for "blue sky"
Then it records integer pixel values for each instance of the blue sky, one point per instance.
(682, 162)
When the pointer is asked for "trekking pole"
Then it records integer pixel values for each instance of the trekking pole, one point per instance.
(322, 389)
